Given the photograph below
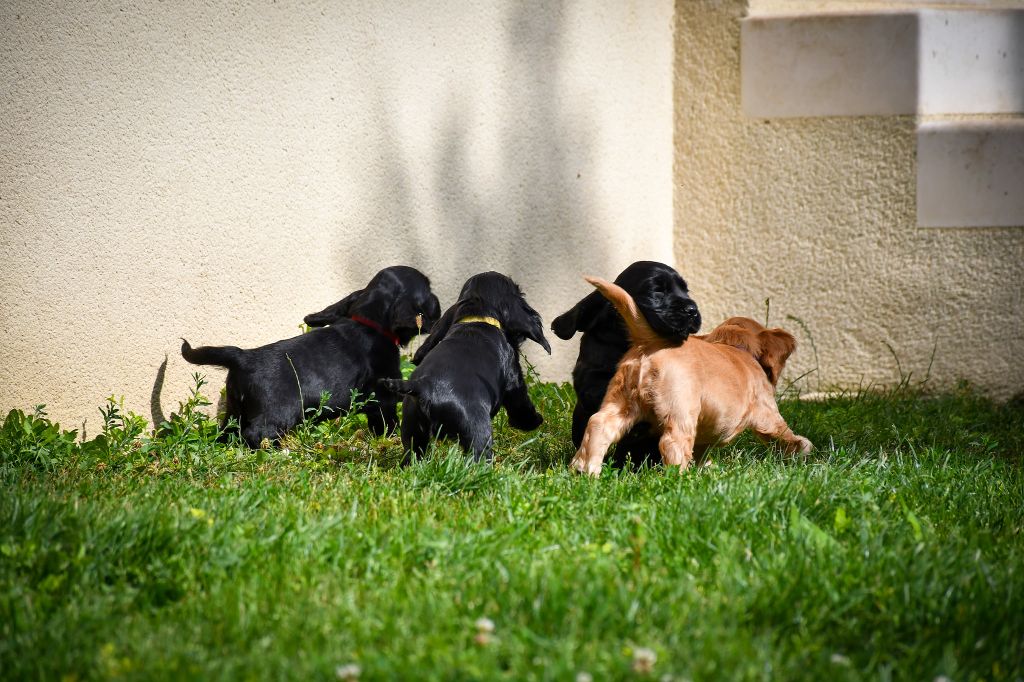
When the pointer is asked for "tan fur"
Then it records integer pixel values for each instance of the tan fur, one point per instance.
(706, 391)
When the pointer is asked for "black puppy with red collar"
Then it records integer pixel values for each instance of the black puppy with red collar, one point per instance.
(355, 344)
(468, 368)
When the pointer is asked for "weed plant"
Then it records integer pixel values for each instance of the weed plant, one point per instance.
(894, 551)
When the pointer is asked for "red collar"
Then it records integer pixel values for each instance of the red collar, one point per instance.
(376, 327)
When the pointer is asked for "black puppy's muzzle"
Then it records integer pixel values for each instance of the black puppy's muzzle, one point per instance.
(693, 315)
(678, 319)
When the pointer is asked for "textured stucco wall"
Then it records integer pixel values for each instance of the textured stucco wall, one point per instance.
(818, 215)
(217, 171)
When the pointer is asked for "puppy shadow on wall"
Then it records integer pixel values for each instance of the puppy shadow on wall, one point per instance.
(156, 411)
(506, 186)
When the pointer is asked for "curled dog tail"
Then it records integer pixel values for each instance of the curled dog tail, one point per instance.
(640, 331)
(225, 356)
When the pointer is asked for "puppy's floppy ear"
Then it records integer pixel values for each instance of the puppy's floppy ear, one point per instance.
(433, 306)
(375, 302)
(776, 347)
(580, 317)
(437, 333)
(735, 336)
(334, 312)
(524, 322)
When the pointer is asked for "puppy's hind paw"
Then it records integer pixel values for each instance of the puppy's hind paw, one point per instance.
(526, 423)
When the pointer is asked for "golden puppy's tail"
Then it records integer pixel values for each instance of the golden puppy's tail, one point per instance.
(640, 331)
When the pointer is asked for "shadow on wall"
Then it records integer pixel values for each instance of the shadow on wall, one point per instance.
(501, 183)
(1015, 82)
(155, 411)
(522, 210)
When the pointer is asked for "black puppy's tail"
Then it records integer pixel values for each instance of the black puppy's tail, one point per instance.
(400, 386)
(225, 356)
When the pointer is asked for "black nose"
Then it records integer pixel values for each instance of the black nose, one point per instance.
(691, 309)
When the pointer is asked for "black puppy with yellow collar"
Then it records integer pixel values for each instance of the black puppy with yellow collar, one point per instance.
(469, 367)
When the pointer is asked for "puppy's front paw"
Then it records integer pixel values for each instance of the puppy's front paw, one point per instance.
(799, 446)
(584, 466)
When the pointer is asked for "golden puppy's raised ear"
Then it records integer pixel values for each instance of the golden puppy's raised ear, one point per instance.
(776, 345)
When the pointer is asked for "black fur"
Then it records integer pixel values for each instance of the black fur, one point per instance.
(269, 388)
(664, 300)
(467, 370)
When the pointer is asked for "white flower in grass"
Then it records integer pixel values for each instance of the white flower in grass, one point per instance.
(484, 631)
(584, 676)
(348, 673)
(839, 659)
(644, 660)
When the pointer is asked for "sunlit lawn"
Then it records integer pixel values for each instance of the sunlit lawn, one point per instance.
(894, 551)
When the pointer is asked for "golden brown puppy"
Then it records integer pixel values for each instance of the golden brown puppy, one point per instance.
(706, 391)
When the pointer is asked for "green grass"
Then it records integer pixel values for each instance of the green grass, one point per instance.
(895, 551)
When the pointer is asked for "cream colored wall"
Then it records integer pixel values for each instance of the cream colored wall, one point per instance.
(217, 171)
(818, 215)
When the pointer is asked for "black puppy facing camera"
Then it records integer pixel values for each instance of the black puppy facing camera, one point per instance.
(355, 344)
(664, 300)
(468, 368)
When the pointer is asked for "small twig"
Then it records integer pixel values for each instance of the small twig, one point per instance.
(810, 337)
(302, 402)
(931, 360)
(904, 378)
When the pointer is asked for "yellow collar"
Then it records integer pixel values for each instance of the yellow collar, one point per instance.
(479, 318)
